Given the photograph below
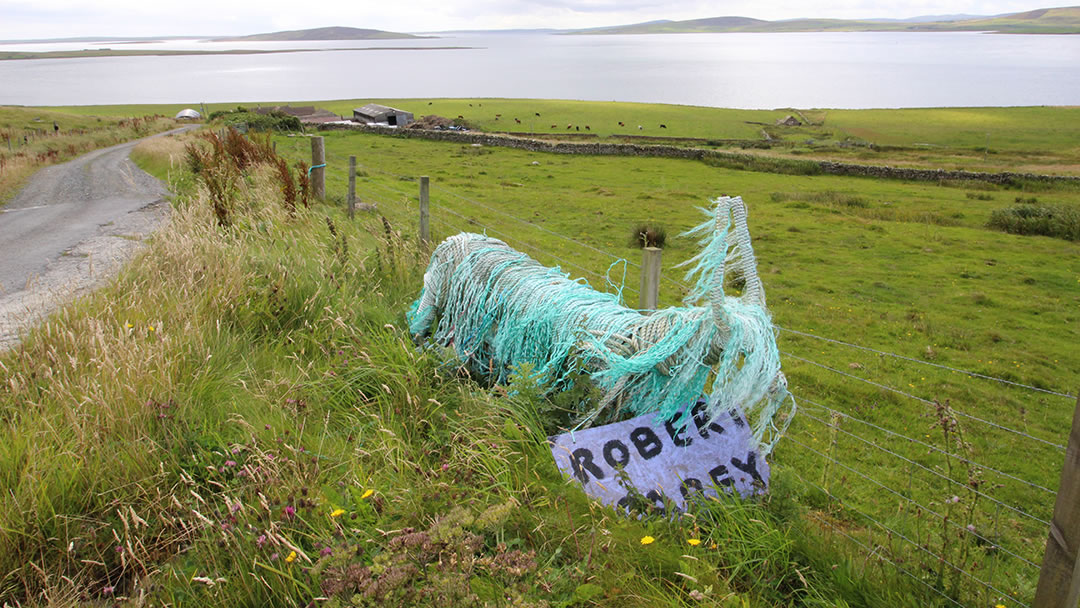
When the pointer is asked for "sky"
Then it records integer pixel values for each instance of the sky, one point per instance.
(26, 19)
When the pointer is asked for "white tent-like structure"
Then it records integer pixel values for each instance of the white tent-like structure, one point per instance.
(188, 113)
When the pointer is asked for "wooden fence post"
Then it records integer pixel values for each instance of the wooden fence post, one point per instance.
(1059, 576)
(425, 229)
(650, 278)
(352, 187)
(318, 168)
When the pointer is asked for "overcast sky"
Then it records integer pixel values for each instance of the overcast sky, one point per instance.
(24, 19)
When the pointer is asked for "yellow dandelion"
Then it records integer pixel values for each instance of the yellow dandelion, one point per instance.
(1000, 606)
(694, 541)
(151, 328)
(367, 494)
(647, 540)
(128, 325)
(291, 558)
(337, 512)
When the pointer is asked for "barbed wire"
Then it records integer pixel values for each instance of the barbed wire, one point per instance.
(926, 401)
(920, 361)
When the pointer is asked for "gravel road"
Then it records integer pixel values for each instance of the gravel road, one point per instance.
(70, 229)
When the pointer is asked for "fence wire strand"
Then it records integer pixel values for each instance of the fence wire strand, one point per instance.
(921, 362)
(927, 401)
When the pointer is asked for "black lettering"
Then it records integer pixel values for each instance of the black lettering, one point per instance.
(677, 433)
(690, 487)
(583, 460)
(719, 476)
(646, 442)
(657, 500)
(749, 467)
(737, 417)
(616, 454)
(702, 422)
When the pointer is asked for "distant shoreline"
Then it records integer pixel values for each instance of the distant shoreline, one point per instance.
(15, 56)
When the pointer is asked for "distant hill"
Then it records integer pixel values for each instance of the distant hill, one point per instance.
(321, 33)
(1064, 20)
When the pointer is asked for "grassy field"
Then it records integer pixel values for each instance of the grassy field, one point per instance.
(1032, 139)
(242, 420)
(29, 141)
(254, 380)
(908, 268)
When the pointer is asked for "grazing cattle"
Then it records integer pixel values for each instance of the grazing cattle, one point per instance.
(554, 126)
(538, 114)
(429, 103)
(621, 124)
(577, 128)
(460, 117)
(639, 127)
(518, 121)
(568, 127)
(587, 128)
(470, 105)
(663, 126)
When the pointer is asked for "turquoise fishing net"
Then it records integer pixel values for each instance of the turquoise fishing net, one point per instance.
(498, 308)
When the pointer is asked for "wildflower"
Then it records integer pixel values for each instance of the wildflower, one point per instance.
(129, 326)
(326, 551)
(367, 494)
(273, 557)
(337, 512)
(971, 528)
(694, 542)
(647, 540)
(259, 542)
(108, 590)
(291, 558)
(230, 463)
(151, 328)
(288, 512)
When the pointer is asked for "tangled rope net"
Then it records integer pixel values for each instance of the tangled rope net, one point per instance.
(498, 308)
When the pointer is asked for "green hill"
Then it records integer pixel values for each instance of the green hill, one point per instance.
(1064, 20)
(321, 33)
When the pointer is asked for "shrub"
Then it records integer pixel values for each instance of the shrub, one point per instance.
(648, 235)
(1059, 221)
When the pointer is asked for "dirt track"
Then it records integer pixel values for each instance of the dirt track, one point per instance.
(70, 229)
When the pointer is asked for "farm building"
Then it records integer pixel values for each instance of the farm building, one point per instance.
(374, 112)
(188, 114)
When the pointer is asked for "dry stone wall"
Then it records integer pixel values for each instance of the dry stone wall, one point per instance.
(716, 157)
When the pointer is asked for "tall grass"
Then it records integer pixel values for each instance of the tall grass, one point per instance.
(242, 420)
(1030, 218)
(28, 141)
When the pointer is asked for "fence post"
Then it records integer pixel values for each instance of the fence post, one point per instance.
(650, 278)
(318, 168)
(1059, 576)
(352, 187)
(425, 230)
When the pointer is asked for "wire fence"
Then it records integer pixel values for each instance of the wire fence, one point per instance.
(949, 492)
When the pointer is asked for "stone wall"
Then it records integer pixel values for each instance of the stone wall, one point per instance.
(716, 157)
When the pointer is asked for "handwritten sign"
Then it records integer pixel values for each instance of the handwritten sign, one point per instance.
(663, 461)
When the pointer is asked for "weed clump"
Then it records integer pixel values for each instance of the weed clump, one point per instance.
(1059, 221)
(648, 235)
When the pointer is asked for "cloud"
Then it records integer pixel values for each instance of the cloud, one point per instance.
(21, 19)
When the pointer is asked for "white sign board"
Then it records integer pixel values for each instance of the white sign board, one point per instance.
(663, 461)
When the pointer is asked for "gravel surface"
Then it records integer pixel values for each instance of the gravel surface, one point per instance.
(70, 230)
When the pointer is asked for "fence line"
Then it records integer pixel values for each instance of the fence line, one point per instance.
(950, 480)
(920, 361)
(939, 558)
(450, 218)
(873, 551)
(927, 401)
(929, 446)
(486, 228)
